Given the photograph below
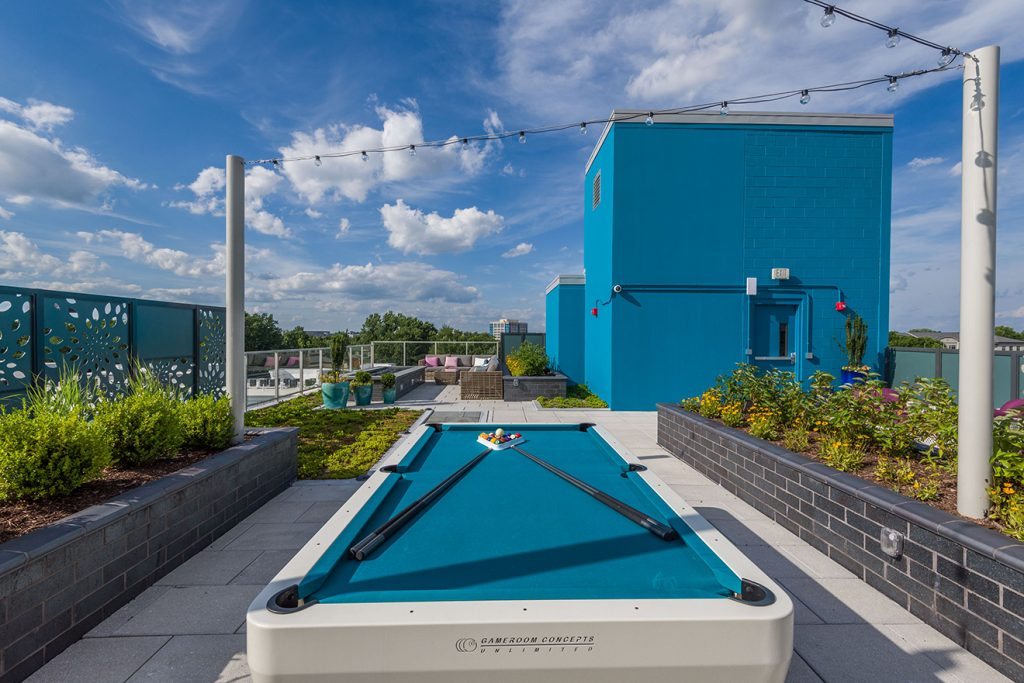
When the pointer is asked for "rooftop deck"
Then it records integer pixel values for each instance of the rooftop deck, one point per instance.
(191, 625)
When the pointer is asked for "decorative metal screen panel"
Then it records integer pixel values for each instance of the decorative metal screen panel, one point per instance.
(88, 333)
(15, 341)
(212, 352)
(175, 373)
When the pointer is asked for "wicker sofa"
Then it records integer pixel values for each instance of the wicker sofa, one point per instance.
(443, 375)
(482, 385)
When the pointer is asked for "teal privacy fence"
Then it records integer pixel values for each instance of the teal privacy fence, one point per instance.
(511, 342)
(41, 331)
(907, 364)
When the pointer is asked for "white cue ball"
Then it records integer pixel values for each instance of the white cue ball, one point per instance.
(499, 432)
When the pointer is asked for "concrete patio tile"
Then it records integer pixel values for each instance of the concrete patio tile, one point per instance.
(950, 657)
(775, 562)
(192, 610)
(99, 660)
(753, 531)
(337, 491)
(209, 659)
(106, 628)
(230, 535)
(847, 601)
(279, 511)
(264, 568)
(816, 563)
(800, 672)
(210, 568)
(320, 512)
(274, 537)
(854, 653)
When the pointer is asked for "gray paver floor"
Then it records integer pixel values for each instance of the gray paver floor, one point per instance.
(190, 626)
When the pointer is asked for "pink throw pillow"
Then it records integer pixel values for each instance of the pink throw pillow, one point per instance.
(432, 361)
(451, 362)
(269, 363)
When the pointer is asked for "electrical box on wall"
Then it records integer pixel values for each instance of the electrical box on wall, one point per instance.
(751, 286)
(780, 273)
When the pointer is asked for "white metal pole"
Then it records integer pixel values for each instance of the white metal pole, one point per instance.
(977, 279)
(234, 212)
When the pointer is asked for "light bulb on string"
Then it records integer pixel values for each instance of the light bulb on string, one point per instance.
(583, 128)
(279, 165)
(364, 156)
(650, 119)
(522, 137)
(893, 84)
(317, 161)
(805, 96)
(412, 150)
(724, 109)
(894, 38)
(946, 57)
(465, 143)
(829, 17)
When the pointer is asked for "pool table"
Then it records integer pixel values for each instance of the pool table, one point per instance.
(562, 559)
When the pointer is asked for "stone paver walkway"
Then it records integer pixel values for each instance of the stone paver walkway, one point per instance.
(191, 625)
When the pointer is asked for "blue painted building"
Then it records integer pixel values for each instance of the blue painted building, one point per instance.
(711, 240)
(564, 302)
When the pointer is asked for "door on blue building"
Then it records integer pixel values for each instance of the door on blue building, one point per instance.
(775, 336)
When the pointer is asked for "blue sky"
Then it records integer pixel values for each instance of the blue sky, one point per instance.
(115, 119)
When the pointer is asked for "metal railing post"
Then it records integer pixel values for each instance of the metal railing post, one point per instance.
(302, 374)
(277, 378)
(319, 365)
(404, 355)
(373, 350)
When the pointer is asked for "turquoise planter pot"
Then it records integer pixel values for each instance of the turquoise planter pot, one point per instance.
(335, 394)
(363, 394)
(389, 395)
(851, 376)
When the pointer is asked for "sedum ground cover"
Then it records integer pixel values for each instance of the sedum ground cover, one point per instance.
(335, 444)
(904, 438)
(576, 396)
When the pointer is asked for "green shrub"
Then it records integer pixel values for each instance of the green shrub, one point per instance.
(529, 360)
(48, 454)
(362, 379)
(144, 424)
(206, 422)
(387, 380)
(68, 395)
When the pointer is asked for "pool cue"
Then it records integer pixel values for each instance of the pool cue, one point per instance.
(371, 541)
(659, 529)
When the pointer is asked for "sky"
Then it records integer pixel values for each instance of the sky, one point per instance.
(115, 119)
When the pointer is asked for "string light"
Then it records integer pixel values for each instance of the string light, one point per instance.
(893, 34)
(522, 137)
(829, 17)
(465, 143)
(647, 118)
(894, 84)
(946, 57)
(316, 160)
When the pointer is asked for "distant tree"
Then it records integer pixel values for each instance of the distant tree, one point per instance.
(922, 329)
(449, 333)
(298, 338)
(262, 332)
(1007, 331)
(900, 339)
(395, 327)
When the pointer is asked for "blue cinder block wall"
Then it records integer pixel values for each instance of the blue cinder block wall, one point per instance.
(693, 206)
(564, 317)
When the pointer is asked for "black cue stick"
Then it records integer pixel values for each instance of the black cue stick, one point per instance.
(371, 541)
(662, 531)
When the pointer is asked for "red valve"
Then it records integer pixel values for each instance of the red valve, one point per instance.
(593, 311)
(840, 306)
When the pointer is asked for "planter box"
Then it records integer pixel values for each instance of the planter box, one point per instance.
(963, 579)
(58, 582)
(529, 388)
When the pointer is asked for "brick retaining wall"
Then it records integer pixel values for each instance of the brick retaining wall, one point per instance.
(529, 388)
(60, 581)
(965, 580)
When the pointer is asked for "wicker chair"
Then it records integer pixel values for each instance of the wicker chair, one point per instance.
(482, 386)
(443, 376)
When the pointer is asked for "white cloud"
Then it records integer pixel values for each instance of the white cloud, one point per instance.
(521, 249)
(923, 162)
(260, 183)
(343, 226)
(21, 258)
(956, 169)
(410, 230)
(6, 214)
(136, 248)
(34, 166)
(352, 178)
(408, 281)
(179, 28)
(38, 114)
(1016, 313)
(313, 213)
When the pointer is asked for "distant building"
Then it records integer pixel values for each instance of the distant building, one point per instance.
(505, 326)
(951, 340)
(711, 240)
(319, 334)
